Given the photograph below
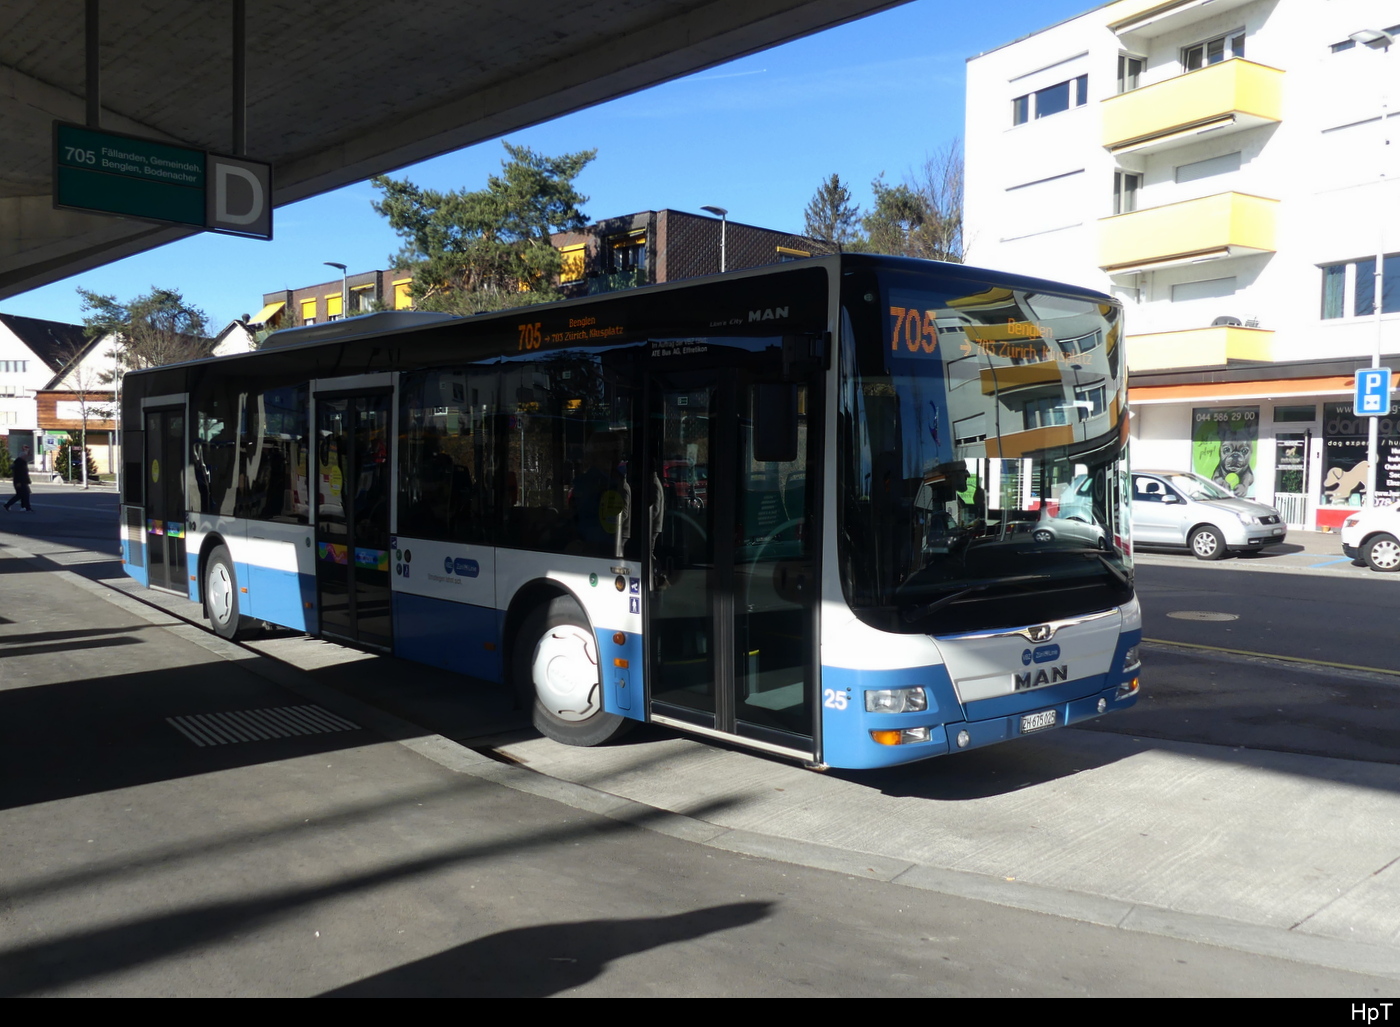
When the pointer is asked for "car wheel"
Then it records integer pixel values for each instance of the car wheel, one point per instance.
(1382, 553)
(1207, 543)
(221, 596)
(556, 671)
(1043, 536)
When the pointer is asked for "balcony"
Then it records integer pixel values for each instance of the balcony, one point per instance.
(1135, 20)
(1198, 347)
(599, 284)
(1189, 232)
(1227, 97)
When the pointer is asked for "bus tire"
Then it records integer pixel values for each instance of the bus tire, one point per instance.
(556, 671)
(221, 596)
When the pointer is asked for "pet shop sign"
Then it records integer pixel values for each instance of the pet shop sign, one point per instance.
(1223, 444)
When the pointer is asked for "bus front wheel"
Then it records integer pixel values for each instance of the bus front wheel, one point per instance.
(556, 670)
(221, 596)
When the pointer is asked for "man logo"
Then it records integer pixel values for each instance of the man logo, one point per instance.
(1040, 678)
(1040, 633)
(769, 314)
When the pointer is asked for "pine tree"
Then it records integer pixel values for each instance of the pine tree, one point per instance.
(832, 216)
(487, 249)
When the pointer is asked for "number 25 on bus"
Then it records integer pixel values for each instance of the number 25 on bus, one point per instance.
(853, 511)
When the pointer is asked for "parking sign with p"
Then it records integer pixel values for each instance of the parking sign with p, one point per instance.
(1373, 392)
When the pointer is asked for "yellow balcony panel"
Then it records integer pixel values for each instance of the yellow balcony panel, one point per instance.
(1227, 97)
(1004, 379)
(1198, 347)
(1013, 445)
(1208, 228)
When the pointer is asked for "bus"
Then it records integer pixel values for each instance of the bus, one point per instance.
(853, 511)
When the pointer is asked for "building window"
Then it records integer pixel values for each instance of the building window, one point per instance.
(627, 253)
(787, 253)
(1125, 191)
(1213, 51)
(1334, 283)
(402, 298)
(1042, 413)
(334, 304)
(308, 312)
(362, 299)
(1089, 401)
(1356, 280)
(1050, 100)
(1129, 72)
(571, 264)
(1295, 414)
(14, 366)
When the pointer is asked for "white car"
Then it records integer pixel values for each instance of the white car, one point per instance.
(1373, 535)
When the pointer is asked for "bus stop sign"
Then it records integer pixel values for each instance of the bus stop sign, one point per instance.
(1373, 392)
(108, 173)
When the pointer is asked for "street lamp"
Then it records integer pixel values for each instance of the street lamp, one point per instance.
(722, 214)
(344, 289)
(1376, 39)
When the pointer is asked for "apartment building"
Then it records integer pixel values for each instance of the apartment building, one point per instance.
(51, 387)
(326, 301)
(624, 252)
(1227, 168)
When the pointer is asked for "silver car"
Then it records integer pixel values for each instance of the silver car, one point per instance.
(1174, 508)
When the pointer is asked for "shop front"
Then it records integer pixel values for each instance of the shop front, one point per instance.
(1284, 435)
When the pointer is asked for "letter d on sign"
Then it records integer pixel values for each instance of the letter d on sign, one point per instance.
(239, 197)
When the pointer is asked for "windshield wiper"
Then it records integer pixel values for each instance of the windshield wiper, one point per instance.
(1123, 579)
(910, 614)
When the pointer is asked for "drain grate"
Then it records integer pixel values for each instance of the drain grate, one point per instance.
(204, 729)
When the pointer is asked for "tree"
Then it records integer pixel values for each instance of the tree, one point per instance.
(154, 329)
(488, 249)
(921, 216)
(832, 216)
(90, 387)
(63, 465)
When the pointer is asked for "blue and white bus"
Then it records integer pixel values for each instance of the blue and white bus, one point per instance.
(854, 511)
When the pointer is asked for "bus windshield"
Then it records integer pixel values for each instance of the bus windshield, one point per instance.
(981, 455)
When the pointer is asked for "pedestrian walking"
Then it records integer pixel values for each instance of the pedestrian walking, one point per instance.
(19, 471)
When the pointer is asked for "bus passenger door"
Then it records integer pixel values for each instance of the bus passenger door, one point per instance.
(731, 610)
(353, 438)
(165, 499)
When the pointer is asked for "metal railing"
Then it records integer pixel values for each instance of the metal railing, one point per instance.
(1293, 508)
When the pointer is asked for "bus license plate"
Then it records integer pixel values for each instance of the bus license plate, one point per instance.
(1037, 721)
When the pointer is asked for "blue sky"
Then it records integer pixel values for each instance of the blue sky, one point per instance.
(756, 136)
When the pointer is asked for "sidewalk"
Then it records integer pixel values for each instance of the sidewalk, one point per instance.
(1303, 552)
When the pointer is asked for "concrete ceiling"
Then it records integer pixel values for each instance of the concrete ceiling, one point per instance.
(337, 90)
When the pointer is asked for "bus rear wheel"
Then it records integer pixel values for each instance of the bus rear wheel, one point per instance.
(221, 596)
(556, 671)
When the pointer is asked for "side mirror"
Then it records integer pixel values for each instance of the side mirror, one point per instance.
(1170, 498)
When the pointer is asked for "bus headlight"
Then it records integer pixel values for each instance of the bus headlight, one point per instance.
(896, 700)
(1132, 659)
